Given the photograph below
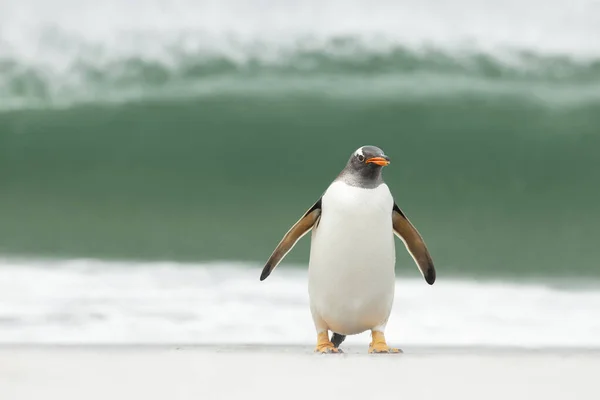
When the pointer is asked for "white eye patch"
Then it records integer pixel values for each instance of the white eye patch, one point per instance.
(359, 152)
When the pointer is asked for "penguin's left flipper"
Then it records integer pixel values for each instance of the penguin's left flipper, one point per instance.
(414, 244)
(300, 228)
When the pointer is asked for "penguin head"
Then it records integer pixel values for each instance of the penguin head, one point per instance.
(369, 156)
(365, 165)
(367, 159)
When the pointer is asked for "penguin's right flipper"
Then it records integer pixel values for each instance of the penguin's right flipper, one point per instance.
(300, 228)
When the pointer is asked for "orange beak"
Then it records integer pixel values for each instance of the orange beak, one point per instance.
(379, 161)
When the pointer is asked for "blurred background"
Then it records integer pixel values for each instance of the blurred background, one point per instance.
(153, 153)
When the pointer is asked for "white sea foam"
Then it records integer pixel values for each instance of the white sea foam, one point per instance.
(89, 302)
(559, 26)
(63, 52)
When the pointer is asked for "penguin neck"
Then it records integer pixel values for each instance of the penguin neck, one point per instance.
(367, 178)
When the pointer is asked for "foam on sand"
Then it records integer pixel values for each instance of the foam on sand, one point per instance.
(92, 302)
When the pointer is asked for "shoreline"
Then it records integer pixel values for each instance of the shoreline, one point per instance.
(353, 348)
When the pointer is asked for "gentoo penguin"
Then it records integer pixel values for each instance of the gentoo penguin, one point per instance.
(351, 277)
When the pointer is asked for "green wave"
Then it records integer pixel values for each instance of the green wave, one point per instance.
(92, 77)
(497, 185)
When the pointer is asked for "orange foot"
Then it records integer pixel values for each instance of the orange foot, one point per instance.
(324, 345)
(379, 346)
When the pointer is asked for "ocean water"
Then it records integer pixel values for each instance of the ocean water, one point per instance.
(96, 302)
(175, 142)
(198, 131)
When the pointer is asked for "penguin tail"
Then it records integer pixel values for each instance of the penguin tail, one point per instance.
(337, 339)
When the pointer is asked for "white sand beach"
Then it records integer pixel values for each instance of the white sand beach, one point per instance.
(262, 372)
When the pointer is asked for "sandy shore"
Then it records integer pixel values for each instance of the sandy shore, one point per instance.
(261, 372)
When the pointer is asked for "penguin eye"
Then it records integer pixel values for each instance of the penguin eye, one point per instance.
(361, 158)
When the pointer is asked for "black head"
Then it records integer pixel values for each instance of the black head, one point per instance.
(364, 167)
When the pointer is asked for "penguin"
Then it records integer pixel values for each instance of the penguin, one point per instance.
(351, 269)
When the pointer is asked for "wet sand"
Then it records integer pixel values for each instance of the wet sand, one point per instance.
(269, 372)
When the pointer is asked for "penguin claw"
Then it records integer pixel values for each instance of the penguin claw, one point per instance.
(384, 350)
(328, 350)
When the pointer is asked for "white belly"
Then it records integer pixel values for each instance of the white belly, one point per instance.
(352, 258)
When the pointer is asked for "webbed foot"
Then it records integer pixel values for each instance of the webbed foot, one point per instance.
(379, 346)
(324, 345)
